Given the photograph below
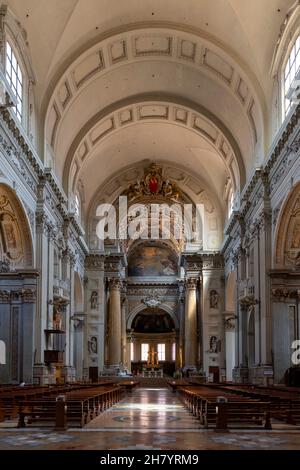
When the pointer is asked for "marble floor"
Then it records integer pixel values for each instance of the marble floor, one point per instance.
(149, 419)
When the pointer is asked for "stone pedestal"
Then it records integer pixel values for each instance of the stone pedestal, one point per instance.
(240, 375)
(43, 375)
(69, 374)
(261, 375)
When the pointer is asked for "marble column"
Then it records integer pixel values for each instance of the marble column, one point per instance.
(180, 334)
(128, 351)
(123, 328)
(190, 353)
(115, 323)
(41, 264)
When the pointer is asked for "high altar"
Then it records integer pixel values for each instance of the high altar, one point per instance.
(153, 369)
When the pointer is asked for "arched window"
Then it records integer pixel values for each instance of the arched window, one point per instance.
(291, 71)
(15, 78)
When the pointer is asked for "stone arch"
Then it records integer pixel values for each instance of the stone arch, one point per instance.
(130, 44)
(15, 236)
(173, 110)
(193, 188)
(287, 235)
(139, 308)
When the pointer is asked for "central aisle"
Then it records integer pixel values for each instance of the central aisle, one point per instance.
(146, 409)
(147, 419)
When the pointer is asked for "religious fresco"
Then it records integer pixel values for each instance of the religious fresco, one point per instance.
(11, 229)
(152, 261)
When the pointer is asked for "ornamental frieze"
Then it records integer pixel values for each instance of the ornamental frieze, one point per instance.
(17, 162)
(95, 262)
(150, 292)
(280, 294)
(285, 164)
(212, 261)
(23, 296)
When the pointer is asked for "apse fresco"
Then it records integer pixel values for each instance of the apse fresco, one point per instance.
(152, 261)
(153, 323)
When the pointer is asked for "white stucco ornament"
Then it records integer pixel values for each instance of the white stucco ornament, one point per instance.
(152, 302)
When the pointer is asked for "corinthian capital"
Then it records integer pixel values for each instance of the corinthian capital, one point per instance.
(191, 283)
(115, 283)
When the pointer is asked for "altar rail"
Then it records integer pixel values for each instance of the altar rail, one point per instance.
(167, 367)
(153, 373)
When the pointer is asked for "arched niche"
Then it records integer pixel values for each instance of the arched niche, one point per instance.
(287, 237)
(153, 321)
(15, 238)
(141, 308)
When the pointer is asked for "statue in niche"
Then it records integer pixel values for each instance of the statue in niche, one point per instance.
(94, 299)
(213, 344)
(57, 320)
(213, 299)
(93, 345)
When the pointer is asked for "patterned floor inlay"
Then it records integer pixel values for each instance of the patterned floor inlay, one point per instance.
(247, 441)
(146, 408)
(36, 439)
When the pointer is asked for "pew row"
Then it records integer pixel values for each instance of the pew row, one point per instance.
(75, 408)
(232, 410)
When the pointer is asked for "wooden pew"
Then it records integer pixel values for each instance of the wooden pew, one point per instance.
(203, 404)
(80, 406)
(129, 385)
(284, 403)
